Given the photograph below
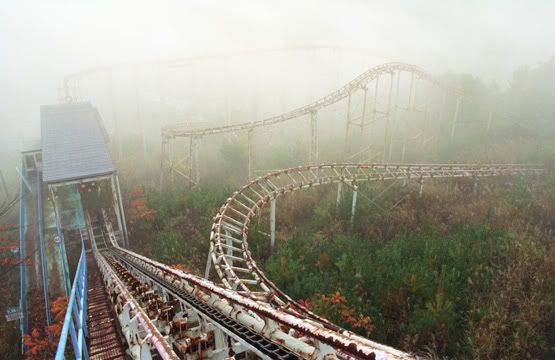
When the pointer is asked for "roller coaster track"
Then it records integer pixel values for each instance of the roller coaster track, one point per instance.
(229, 249)
(358, 83)
(171, 313)
(369, 113)
(133, 281)
(70, 86)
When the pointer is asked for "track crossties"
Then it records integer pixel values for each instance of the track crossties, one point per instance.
(105, 340)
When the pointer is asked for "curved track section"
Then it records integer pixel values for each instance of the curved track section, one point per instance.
(70, 86)
(360, 82)
(229, 248)
(307, 339)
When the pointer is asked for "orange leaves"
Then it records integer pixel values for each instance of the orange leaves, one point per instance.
(59, 307)
(182, 267)
(335, 307)
(37, 343)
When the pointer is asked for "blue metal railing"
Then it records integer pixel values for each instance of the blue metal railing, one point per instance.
(42, 247)
(22, 270)
(75, 321)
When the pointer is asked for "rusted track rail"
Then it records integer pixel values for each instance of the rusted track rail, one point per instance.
(260, 345)
(105, 339)
(357, 83)
(142, 336)
(229, 250)
(305, 337)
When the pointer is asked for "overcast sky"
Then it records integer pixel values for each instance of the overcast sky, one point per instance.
(41, 41)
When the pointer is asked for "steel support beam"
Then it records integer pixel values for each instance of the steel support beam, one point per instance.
(353, 206)
(23, 323)
(115, 204)
(347, 149)
(61, 244)
(126, 238)
(338, 197)
(394, 118)
(313, 155)
(388, 116)
(42, 246)
(273, 224)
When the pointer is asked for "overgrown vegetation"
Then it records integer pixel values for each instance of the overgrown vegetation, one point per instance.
(453, 273)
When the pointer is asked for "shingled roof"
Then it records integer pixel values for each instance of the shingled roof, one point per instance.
(74, 143)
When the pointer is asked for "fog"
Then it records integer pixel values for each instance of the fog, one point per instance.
(42, 42)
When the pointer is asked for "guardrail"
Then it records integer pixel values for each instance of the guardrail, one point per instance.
(75, 321)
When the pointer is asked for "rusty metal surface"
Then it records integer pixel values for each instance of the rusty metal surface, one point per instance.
(105, 341)
(124, 301)
(251, 299)
(309, 338)
(229, 249)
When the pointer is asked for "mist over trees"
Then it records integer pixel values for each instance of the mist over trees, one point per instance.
(445, 269)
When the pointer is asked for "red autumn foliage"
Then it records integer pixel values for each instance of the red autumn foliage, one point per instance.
(182, 267)
(335, 307)
(37, 343)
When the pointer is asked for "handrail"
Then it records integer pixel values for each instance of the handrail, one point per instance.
(75, 320)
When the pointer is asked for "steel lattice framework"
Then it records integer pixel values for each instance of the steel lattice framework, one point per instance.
(248, 309)
(229, 249)
(358, 83)
(369, 113)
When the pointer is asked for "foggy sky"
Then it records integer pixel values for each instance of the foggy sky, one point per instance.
(42, 41)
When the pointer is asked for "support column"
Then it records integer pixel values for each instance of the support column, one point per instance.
(353, 206)
(61, 244)
(194, 164)
(42, 247)
(338, 198)
(421, 191)
(23, 323)
(118, 208)
(208, 264)
(374, 113)
(388, 117)
(273, 224)
(229, 249)
(394, 116)
(122, 212)
(363, 116)
(347, 137)
(313, 158)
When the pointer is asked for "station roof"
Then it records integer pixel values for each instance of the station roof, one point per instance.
(74, 143)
